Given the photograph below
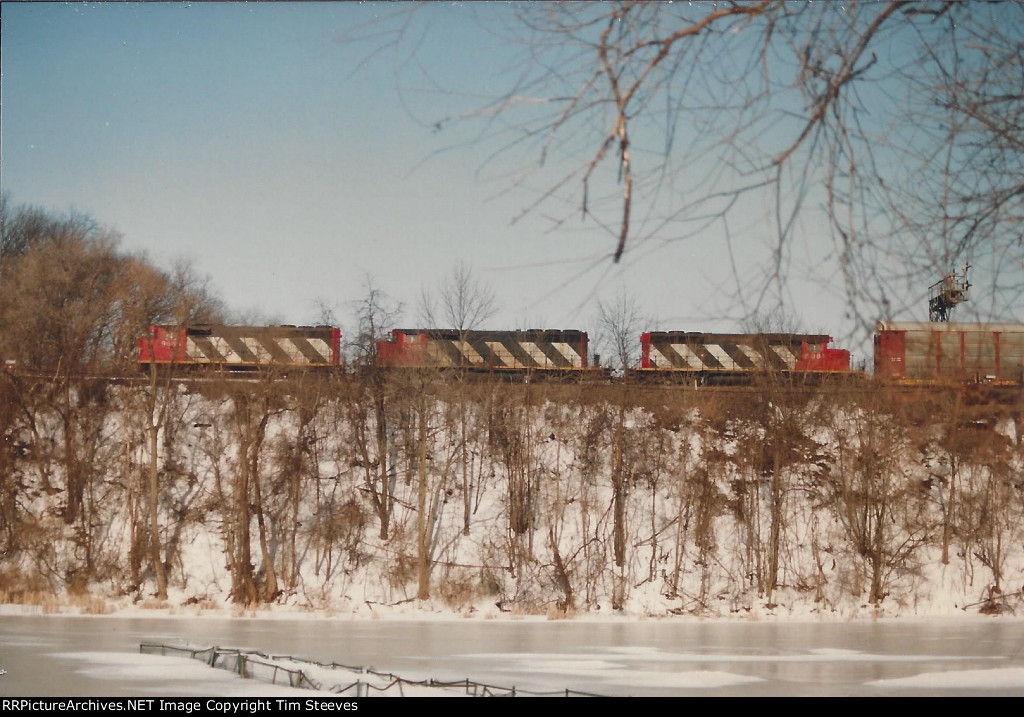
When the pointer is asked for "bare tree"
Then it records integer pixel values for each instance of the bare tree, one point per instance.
(145, 297)
(620, 322)
(878, 508)
(892, 128)
(375, 316)
(776, 320)
(463, 302)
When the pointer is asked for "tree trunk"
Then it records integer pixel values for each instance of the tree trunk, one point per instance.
(422, 524)
(774, 537)
(384, 496)
(154, 515)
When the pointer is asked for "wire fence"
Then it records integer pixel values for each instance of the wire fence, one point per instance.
(334, 677)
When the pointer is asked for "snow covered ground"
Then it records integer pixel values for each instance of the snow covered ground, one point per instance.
(495, 503)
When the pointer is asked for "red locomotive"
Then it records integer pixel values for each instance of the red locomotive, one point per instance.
(737, 358)
(241, 348)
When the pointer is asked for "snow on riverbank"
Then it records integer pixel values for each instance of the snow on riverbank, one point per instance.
(499, 504)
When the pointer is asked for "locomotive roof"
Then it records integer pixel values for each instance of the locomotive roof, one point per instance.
(211, 326)
(702, 336)
(281, 330)
(943, 327)
(454, 333)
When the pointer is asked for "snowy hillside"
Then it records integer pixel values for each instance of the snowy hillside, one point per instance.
(486, 499)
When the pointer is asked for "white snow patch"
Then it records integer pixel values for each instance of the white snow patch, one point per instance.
(1010, 677)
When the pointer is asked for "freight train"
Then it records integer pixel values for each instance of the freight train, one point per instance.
(930, 353)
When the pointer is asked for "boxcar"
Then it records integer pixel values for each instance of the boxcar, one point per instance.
(241, 348)
(738, 358)
(939, 352)
(540, 351)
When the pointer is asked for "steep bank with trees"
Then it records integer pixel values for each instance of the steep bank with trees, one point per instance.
(340, 494)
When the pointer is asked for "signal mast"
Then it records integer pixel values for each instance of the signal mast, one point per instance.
(945, 294)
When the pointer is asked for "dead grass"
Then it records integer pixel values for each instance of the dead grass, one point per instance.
(19, 588)
(154, 604)
(201, 603)
(459, 589)
(89, 604)
(556, 611)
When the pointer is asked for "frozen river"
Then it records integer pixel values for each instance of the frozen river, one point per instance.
(99, 656)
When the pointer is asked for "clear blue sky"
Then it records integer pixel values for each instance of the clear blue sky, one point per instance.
(256, 141)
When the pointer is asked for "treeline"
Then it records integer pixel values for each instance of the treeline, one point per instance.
(72, 303)
(383, 488)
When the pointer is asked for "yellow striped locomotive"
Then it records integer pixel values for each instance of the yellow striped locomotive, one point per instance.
(520, 353)
(241, 348)
(729, 359)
